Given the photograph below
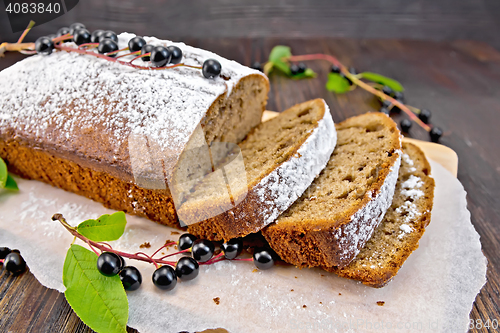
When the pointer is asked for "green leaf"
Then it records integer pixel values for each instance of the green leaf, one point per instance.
(11, 184)
(383, 80)
(3, 173)
(106, 228)
(337, 83)
(277, 54)
(307, 74)
(99, 301)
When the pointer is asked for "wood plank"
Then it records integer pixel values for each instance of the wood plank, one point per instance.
(458, 82)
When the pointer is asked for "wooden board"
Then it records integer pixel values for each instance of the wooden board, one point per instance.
(458, 81)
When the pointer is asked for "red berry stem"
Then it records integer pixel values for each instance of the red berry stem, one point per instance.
(176, 253)
(1, 261)
(355, 80)
(117, 51)
(240, 259)
(25, 32)
(104, 247)
(129, 54)
(140, 56)
(87, 45)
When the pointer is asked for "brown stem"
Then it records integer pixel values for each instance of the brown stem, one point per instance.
(136, 256)
(360, 83)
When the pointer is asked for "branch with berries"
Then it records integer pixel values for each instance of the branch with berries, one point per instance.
(342, 79)
(106, 44)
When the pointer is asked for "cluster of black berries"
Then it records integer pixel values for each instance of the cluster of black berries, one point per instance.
(187, 268)
(12, 260)
(159, 56)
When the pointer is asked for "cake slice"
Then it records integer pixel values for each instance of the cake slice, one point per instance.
(338, 213)
(115, 134)
(282, 157)
(403, 225)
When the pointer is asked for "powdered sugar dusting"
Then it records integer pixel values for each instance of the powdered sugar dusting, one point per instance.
(60, 100)
(354, 235)
(286, 183)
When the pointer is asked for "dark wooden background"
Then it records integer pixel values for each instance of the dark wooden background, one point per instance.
(446, 55)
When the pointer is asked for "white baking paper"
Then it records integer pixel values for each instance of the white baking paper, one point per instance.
(433, 292)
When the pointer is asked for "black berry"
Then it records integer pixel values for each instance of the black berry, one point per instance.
(294, 69)
(263, 258)
(96, 35)
(335, 69)
(14, 263)
(109, 35)
(435, 134)
(232, 248)
(63, 31)
(398, 95)
(187, 268)
(4, 251)
(405, 125)
(302, 67)
(146, 49)
(345, 77)
(176, 54)
(386, 103)
(136, 44)
(131, 278)
(107, 45)
(353, 71)
(75, 26)
(387, 90)
(81, 36)
(16, 251)
(160, 56)
(425, 115)
(385, 110)
(211, 68)
(44, 45)
(109, 263)
(185, 241)
(202, 250)
(257, 66)
(165, 278)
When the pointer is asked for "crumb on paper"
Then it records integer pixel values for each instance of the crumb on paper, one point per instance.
(296, 277)
(322, 274)
(217, 300)
(170, 242)
(320, 302)
(304, 306)
(255, 270)
(380, 303)
(340, 294)
(291, 289)
(146, 245)
(174, 232)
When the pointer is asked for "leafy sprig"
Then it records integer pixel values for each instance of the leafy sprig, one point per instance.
(6, 180)
(343, 80)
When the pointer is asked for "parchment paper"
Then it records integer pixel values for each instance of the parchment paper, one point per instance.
(433, 292)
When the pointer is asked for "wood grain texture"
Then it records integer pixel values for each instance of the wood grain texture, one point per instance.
(177, 19)
(457, 81)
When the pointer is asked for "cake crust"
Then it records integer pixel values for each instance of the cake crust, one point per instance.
(403, 225)
(272, 193)
(307, 241)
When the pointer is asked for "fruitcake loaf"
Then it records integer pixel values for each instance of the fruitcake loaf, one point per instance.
(337, 214)
(403, 225)
(282, 157)
(89, 125)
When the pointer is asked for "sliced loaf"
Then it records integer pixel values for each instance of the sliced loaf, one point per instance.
(338, 213)
(282, 157)
(403, 225)
(89, 126)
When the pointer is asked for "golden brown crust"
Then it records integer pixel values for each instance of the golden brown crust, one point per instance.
(229, 224)
(389, 248)
(309, 241)
(112, 192)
